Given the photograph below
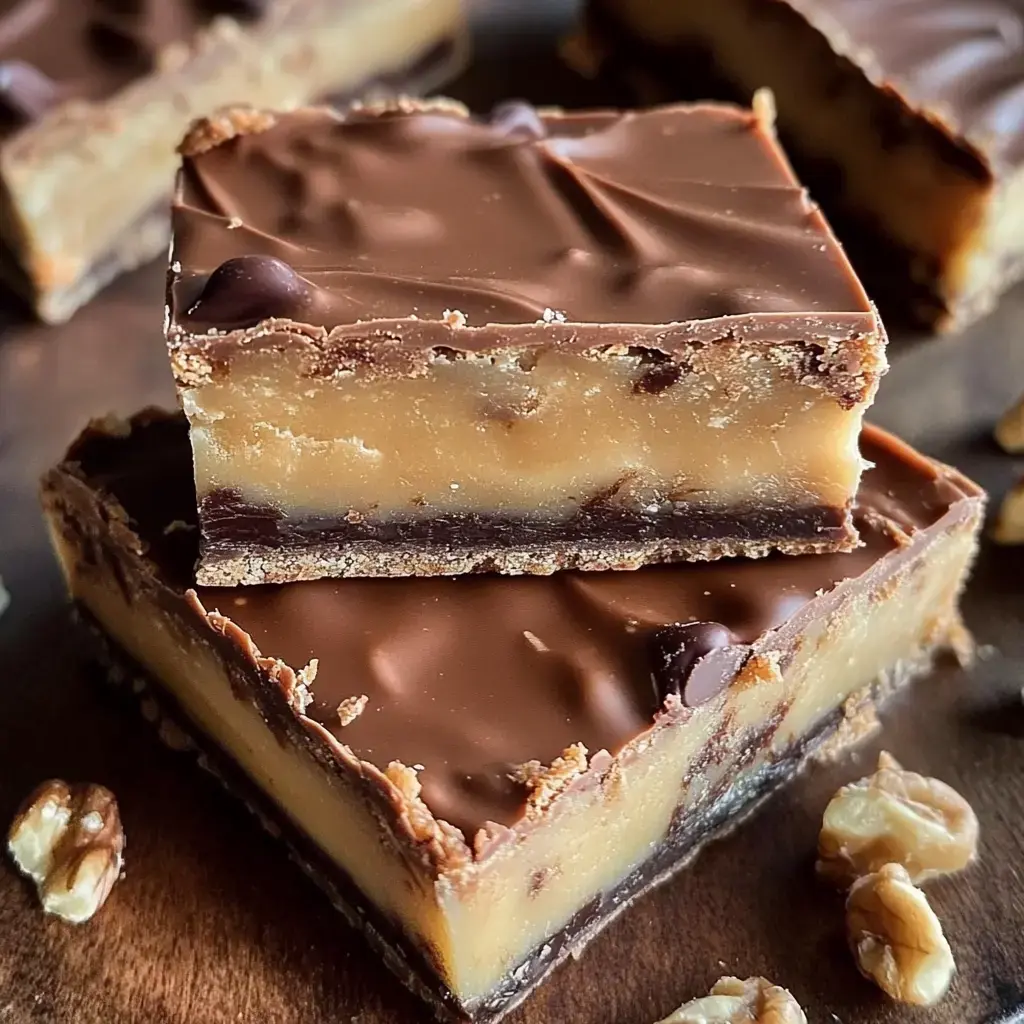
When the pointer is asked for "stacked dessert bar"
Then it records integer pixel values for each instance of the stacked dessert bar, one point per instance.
(474, 358)
(95, 95)
(906, 117)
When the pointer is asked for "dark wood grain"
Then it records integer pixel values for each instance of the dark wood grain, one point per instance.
(213, 925)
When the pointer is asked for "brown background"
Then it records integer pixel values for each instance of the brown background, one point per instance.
(213, 925)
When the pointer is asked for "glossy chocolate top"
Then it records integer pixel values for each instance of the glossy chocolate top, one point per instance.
(961, 61)
(54, 51)
(471, 676)
(653, 217)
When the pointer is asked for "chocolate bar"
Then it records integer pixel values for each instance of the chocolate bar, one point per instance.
(410, 342)
(482, 771)
(95, 96)
(906, 119)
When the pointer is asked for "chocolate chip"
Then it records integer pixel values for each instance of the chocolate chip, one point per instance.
(695, 660)
(244, 290)
(657, 378)
(26, 94)
(515, 117)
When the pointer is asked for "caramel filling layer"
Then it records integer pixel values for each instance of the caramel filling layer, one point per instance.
(480, 921)
(503, 437)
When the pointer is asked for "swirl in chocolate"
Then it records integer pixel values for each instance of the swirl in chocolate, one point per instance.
(654, 217)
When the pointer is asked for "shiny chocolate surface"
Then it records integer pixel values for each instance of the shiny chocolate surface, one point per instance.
(660, 216)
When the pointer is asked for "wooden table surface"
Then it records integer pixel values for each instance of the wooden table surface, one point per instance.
(213, 925)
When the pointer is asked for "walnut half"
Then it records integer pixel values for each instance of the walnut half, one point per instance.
(896, 938)
(732, 1001)
(69, 841)
(896, 816)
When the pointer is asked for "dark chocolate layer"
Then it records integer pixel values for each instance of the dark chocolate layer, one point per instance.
(472, 676)
(231, 527)
(55, 51)
(656, 217)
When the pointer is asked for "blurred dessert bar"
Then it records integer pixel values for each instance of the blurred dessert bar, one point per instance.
(908, 115)
(483, 770)
(96, 94)
(410, 342)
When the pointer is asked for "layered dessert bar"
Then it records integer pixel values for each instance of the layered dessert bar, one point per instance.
(483, 770)
(906, 118)
(96, 94)
(410, 342)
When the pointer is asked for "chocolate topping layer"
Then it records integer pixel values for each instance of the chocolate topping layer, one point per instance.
(473, 676)
(959, 61)
(656, 217)
(54, 51)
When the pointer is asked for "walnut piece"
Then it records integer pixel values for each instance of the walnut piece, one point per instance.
(732, 1001)
(896, 816)
(69, 841)
(1009, 430)
(1009, 525)
(896, 938)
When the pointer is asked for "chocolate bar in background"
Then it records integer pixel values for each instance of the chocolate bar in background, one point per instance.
(477, 839)
(410, 342)
(905, 119)
(95, 96)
